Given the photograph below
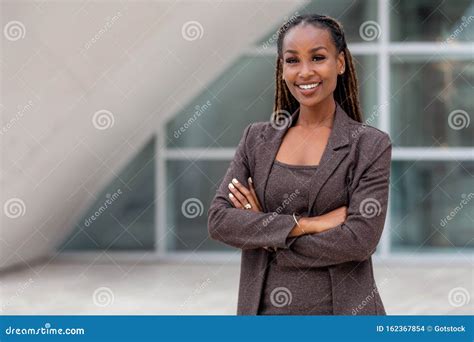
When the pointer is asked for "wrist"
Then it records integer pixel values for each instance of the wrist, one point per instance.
(304, 225)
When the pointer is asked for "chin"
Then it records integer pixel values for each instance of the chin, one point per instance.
(310, 102)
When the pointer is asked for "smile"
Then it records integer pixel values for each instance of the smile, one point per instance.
(308, 86)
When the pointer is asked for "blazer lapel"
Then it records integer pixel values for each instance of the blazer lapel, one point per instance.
(332, 156)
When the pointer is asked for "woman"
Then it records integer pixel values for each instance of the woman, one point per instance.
(305, 196)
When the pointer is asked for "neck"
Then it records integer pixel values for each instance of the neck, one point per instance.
(320, 115)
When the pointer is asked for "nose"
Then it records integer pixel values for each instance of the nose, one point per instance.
(306, 70)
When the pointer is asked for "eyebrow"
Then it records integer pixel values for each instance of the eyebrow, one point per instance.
(311, 50)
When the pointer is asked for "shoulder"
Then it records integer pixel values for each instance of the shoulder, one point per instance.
(256, 130)
(369, 143)
(259, 125)
(366, 136)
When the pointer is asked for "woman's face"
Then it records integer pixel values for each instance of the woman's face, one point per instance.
(310, 64)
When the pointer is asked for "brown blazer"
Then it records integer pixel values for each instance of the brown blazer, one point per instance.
(354, 171)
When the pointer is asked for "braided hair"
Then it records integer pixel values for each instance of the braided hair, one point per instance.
(346, 92)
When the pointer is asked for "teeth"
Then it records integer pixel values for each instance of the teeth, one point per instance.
(308, 86)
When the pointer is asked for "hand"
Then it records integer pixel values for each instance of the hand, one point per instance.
(240, 195)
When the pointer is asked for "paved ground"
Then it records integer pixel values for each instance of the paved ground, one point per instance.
(196, 289)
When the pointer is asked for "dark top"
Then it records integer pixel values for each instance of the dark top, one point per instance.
(293, 290)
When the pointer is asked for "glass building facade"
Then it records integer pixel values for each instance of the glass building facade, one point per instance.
(416, 75)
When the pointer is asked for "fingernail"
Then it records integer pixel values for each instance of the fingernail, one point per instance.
(231, 186)
(250, 180)
(230, 195)
(235, 181)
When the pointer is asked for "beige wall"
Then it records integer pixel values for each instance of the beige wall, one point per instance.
(79, 58)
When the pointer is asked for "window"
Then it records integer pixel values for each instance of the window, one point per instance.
(432, 205)
(122, 216)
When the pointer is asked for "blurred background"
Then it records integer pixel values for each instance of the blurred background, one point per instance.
(120, 118)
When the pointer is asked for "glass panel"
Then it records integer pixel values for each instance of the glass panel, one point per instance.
(192, 186)
(431, 101)
(432, 206)
(122, 217)
(367, 76)
(244, 98)
(351, 13)
(433, 20)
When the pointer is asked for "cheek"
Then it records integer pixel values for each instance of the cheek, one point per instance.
(331, 81)
(289, 74)
(328, 70)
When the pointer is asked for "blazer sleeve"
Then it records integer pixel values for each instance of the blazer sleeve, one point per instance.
(241, 228)
(357, 237)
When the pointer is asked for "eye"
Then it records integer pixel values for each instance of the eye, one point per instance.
(292, 60)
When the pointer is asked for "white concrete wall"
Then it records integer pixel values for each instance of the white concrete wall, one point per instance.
(62, 62)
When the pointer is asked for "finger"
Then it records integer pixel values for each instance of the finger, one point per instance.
(246, 193)
(238, 196)
(252, 191)
(235, 201)
(238, 193)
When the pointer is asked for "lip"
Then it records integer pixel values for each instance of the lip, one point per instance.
(306, 83)
(308, 92)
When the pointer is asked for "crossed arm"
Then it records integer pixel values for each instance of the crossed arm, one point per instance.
(342, 235)
(240, 196)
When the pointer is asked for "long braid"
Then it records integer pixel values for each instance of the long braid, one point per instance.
(346, 92)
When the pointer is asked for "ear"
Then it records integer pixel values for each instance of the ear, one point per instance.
(341, 63)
